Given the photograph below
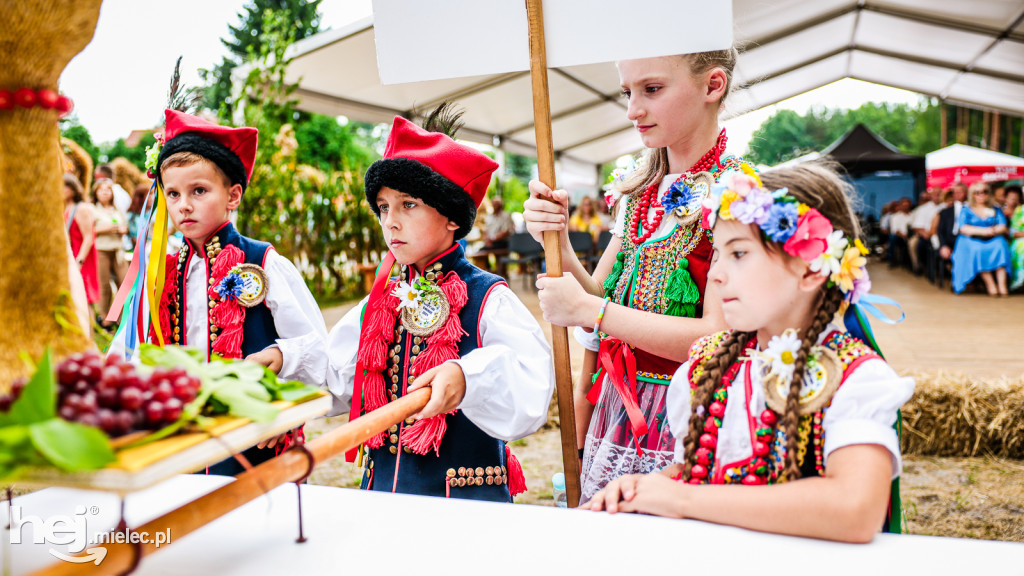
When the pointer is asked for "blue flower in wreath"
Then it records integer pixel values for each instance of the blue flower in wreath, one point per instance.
(231, 286)
(782, 219)
(679, 198)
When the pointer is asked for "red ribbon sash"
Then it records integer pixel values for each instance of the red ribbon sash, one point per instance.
(619, 363)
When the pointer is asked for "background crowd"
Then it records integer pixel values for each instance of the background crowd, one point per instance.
(103, 220)
(972, 235)
(492, 243)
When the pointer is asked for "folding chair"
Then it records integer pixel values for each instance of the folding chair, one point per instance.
(524, 251)
(602, 244)
(583, 245)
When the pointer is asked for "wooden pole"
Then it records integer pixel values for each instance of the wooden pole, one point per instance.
(986, 123)
(943, 125)
(553, 248)
(997, 123)
(291, 466)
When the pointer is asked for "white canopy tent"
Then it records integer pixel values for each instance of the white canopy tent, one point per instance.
(963, 52)
(961, 155)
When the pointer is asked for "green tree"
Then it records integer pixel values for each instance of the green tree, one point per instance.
(326, 144)
(73, 130)
(519, 166)
(134, 154)
(306, 192)
(247, 38)
(913, 129)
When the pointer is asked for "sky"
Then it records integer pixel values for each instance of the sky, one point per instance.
(119, 82)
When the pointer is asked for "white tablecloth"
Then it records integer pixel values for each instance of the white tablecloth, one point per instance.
(355, 532)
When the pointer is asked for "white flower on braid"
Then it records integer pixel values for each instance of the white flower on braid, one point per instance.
(830, 261)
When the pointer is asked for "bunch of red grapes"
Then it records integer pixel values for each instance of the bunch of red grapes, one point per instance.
(15, 392)
(111, 395)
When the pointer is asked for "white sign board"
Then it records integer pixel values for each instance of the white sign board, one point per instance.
(420, 40)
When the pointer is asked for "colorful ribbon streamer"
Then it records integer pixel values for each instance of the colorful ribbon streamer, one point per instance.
(140, 288)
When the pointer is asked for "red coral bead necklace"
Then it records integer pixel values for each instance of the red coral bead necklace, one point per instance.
(640, 229)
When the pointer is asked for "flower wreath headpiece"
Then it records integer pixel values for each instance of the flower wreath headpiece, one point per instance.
(803, 231)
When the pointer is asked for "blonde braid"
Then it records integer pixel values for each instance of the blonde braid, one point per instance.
(831, 301)
(727, 353)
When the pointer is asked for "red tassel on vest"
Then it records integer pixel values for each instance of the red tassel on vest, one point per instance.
(516, 479)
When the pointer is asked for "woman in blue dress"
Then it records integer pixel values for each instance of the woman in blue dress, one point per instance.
(981, 246)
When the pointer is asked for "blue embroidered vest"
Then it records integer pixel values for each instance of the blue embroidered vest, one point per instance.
(258, 330)
(470, 464)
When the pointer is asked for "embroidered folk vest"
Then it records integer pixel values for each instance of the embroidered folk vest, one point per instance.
(469, 463)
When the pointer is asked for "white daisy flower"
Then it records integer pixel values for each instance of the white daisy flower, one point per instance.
(783, 351)
(830, 261)
(408, 297)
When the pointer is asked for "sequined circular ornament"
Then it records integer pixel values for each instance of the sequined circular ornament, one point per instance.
(821, 380)
(685, 197)
(429, 315)
(254, 284)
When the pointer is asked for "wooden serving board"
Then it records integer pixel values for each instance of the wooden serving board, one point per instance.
(143, 466)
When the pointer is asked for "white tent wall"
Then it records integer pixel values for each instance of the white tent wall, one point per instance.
(963, 155)
(964, 52)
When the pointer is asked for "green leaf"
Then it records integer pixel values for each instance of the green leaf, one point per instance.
(241, 402)
(171, 357)
(241, 369)
(38, 400)
(71, 446)
(297, 395)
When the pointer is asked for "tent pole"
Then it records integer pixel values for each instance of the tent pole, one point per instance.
(552, 248)
(943, 125)
(996, 124)
(986, 132)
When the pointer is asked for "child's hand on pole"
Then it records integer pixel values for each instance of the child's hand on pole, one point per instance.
(270, 357)
(564, 302)
(447, 389)
(546, 209)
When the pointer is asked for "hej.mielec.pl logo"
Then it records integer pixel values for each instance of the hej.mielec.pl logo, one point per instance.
(73, 532)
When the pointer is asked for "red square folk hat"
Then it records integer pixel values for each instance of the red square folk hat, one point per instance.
(450, 177)
(233, 150)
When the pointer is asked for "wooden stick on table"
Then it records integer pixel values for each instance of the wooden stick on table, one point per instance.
(249, 485)
(552, 249)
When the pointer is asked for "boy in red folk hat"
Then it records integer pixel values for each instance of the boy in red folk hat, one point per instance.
(442, 323)
(224, 293)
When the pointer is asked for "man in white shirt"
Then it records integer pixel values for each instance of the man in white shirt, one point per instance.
(498, 225)
(919, 244)
(899, 226)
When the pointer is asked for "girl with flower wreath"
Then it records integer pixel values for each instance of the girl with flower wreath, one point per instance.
(646, 301)
(786, 402)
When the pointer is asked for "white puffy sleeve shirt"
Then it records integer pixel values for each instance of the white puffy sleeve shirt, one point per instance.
(509, 378)
(301, 332)
(863, 411)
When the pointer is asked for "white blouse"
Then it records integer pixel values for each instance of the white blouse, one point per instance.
(301, 332)
(863, 410)
(509, 378)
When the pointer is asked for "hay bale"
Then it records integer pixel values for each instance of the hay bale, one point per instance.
(126, 174)
(959, 415)
(78, 162)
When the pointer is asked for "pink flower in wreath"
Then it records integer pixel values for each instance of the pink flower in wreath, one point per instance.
(811, 237)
